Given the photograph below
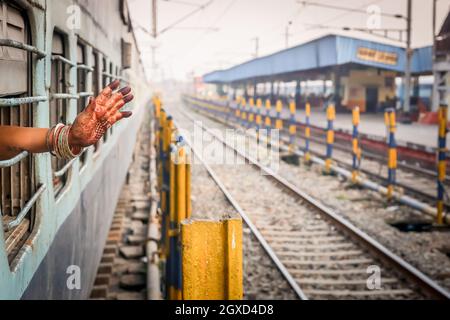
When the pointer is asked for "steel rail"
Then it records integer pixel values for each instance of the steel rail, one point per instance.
(404, 199)
(413, 191)
(406, 269)
(367, 154)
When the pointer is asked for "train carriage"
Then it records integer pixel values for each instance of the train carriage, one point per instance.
(56, 214)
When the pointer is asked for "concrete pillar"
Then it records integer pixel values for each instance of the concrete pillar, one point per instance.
(337, 87)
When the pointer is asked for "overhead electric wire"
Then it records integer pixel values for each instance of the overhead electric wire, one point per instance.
(185, 17)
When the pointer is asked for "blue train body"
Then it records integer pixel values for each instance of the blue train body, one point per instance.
(69, 226)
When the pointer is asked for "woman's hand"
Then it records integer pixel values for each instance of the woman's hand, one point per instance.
(101, 113)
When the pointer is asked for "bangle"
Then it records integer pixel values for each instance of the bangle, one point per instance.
(61, 147)
(47, 140)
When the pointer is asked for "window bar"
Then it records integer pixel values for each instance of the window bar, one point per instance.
(64, 169)
(19, 45)
(64, 60)
(64, 96)
(14, 223)
(112, 76)
(13, 161)
(85, 94)
(9, 102)
(85, 67)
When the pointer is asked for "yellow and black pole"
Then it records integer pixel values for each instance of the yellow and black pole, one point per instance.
(389, 117)
(442, 161)
(356, 150)
(251, 112)
(258, 117)
(292, 126)
(279, 109)
(244, 113)
(331, 115)
(307, 132)
(267, 120)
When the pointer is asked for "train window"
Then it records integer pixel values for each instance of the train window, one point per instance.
(17, 182)
(58, 106)
(82, 73)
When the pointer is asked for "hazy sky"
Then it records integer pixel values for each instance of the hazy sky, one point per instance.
(220, 35)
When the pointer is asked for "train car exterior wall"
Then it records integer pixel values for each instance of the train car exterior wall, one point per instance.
(70, 227)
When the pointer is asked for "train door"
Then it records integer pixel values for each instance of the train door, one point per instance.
(371, 99)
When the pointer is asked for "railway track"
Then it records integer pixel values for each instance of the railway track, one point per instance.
(408, 176)
(321, 255)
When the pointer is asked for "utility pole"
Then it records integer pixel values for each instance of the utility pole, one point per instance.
(407, 79)
(154, 19)
(435, 93)
(256, 39)
(287, 34)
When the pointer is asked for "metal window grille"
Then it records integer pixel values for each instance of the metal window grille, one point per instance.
(17, 178)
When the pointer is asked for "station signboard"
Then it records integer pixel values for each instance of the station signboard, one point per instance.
(385, 57)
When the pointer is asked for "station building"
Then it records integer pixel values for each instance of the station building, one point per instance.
(347, 71)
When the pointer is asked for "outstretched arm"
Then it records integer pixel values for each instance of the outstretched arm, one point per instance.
(89, 126)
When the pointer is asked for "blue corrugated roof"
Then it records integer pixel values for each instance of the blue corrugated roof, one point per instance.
(327, 51)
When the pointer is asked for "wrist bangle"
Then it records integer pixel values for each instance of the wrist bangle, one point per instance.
(61, 146)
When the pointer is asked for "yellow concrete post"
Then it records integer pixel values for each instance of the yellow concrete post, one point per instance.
(212, 259)
(188, 186)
